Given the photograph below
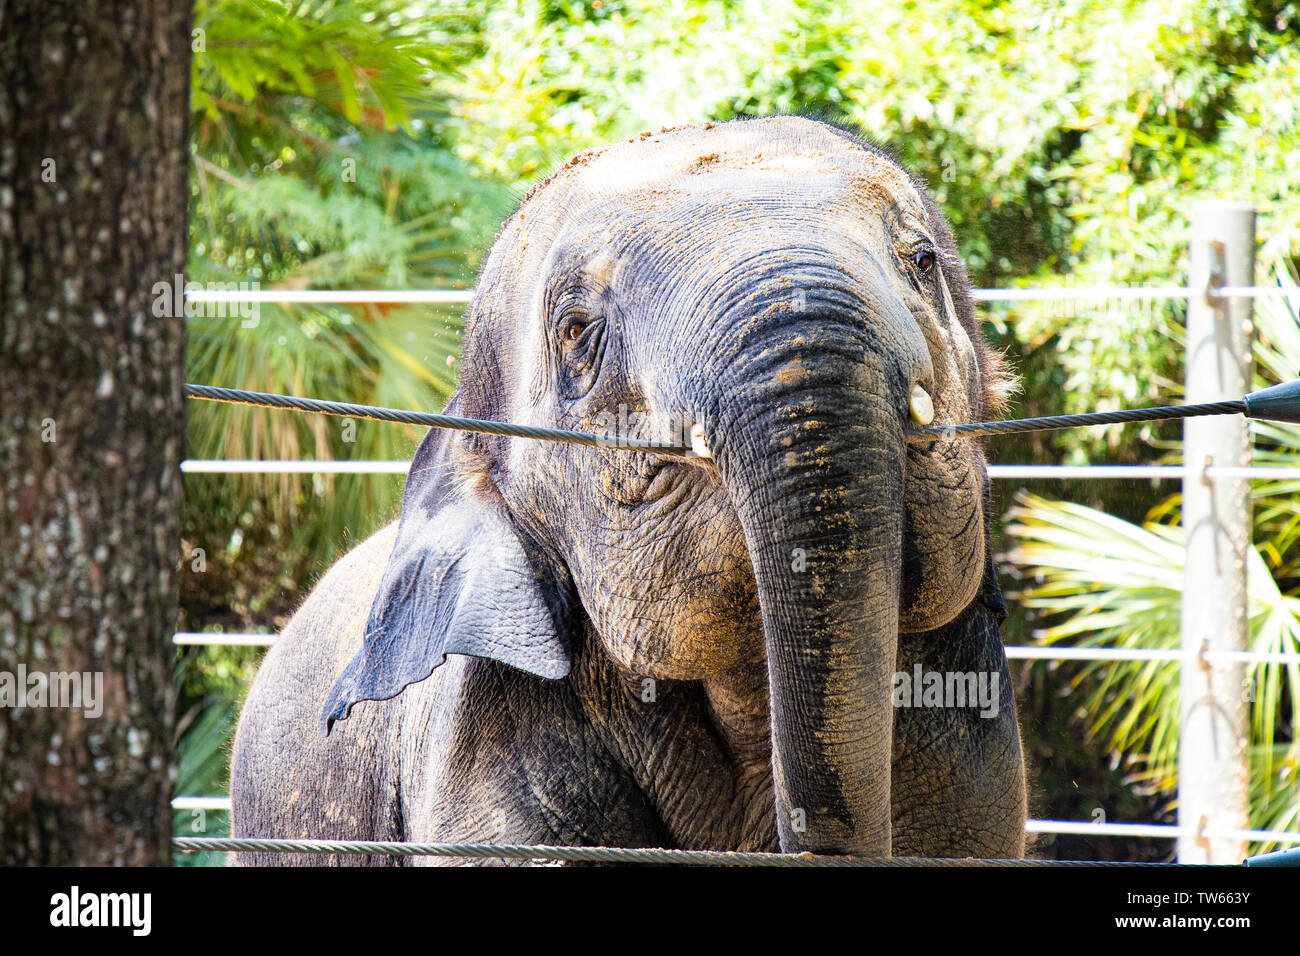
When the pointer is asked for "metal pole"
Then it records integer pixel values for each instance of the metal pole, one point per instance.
(1213, 770)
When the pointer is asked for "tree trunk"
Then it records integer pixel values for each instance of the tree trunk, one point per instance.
(94, 109)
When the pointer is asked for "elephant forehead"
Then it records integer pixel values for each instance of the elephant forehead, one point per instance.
(713, 225)
(701, 158)
(797, 165)
(807, 171)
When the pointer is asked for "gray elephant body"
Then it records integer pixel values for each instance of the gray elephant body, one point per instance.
(631, 656)
(483, 753)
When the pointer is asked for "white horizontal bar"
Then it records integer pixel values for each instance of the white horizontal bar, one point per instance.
(1251, 657)
(450, 296)
(1021, 652)
(1031, 826)
(1275, 473)
(201, 803)
(1015, 652)
(234, 466)
(355, 296)
(1170, 472)
(1059, 294)
(1086, 471)
(1168, 831)
(1255, 836)
(352, 296)
(227, 638)
(1159, 830)
(1254, 292)
(1083, 292)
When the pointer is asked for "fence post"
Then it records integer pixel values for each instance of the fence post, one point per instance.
(1213, 762)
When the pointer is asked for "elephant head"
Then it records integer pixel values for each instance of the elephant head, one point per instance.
(786, 295)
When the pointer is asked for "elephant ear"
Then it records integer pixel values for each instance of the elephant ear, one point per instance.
(461, 580)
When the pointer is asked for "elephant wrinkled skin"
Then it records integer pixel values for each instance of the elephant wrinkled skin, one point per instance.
(567, 645)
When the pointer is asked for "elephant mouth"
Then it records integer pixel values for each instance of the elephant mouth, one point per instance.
(665, 481)
(644, 481)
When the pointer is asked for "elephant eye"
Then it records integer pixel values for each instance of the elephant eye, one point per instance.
(923, 259)
(577, 330)
(581, 349)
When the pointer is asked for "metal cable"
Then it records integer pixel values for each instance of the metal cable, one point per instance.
(595, 854)
(1015, 425)
(378, 413)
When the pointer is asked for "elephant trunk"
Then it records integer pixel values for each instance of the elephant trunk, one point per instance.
(812, 456)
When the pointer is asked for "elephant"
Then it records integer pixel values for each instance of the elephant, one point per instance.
(608, 646)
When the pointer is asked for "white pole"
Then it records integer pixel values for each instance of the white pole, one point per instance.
(1213, 763)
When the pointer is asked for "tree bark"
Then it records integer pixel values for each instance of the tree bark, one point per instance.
(94, 110)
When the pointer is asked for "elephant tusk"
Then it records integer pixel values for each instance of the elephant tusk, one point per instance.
(698, 443)
(921, 406)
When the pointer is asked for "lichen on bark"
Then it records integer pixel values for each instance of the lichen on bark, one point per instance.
(94, 101)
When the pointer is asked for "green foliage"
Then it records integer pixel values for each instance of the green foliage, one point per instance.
(1097, 580)
(1109, 583)
(213, 681)
(321, 161)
